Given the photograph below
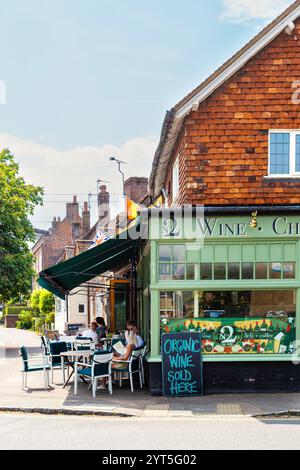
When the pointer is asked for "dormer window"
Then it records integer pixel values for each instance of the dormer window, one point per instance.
(284, 153)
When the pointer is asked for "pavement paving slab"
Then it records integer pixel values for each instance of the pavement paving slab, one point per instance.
(123, 401)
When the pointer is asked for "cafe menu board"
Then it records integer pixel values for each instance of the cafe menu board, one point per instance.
(182, 364)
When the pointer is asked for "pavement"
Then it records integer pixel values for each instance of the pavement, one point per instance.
(123, 402)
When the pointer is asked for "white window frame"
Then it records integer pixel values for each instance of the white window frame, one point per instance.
(293, 173)
(175, 179)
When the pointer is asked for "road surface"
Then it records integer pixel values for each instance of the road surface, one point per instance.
(19, 431)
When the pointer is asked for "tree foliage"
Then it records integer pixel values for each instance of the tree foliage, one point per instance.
(17, 203)
(43, 304)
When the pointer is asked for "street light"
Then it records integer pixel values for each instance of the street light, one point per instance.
(119, 163)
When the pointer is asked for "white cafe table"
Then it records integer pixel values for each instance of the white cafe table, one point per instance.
(71, 357)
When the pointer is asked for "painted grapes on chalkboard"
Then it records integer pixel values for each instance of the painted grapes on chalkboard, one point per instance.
(239, 335)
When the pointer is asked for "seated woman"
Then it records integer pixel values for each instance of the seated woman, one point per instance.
(132, 335)
(119, 360)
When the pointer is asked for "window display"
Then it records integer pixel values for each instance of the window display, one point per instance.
(236, 322)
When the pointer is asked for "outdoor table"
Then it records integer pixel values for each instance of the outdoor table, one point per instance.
(76, 355)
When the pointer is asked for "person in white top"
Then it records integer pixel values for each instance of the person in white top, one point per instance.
(92, 333)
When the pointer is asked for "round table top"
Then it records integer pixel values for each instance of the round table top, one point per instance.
(77, 353)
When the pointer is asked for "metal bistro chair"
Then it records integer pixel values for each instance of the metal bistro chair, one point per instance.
(33, 364)
(99, 368)
(84, 344)
(55, 360)
(131, 366)
(45, 346)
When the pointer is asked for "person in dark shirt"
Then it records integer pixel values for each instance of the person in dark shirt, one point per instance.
(102, 328)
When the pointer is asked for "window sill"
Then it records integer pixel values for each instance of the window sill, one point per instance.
(283, 177)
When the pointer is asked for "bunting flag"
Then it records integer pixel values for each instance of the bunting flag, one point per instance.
(132, 209)
(100, 237)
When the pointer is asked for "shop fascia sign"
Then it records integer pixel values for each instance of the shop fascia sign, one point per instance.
(177, 225)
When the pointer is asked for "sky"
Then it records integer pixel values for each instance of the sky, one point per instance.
(89, 79)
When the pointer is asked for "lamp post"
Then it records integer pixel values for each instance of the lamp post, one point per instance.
(119, 163)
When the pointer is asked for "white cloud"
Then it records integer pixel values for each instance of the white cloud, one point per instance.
(238, 11)
(75, 171)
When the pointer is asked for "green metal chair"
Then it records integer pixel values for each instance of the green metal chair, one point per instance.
(33, 364)
(54, 357)
(99, 368)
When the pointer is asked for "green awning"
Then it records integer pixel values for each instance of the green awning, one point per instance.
(63, 277)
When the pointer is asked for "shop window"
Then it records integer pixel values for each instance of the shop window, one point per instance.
(178, 272)
(165, 272)
(234, 322)
(233, 271)
(219, 271)
(165, 253)
(289, 270)
(176, 263)
(247, 271)
(178, 253)
(261, 271)
(206, 271)
(176, 304)
(190, 272)
(275, 270)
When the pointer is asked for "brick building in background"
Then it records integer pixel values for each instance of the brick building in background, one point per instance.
(50, 246)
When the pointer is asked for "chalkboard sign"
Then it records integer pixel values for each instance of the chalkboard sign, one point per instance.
(182, 364)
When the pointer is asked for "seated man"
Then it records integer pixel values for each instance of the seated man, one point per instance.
(92, 332)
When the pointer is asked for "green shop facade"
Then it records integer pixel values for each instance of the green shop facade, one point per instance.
(238, 283)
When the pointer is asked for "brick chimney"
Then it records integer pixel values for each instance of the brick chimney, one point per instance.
(136, 188)
(55, 223)
(76, 232)
(73, 210)
(86, 218)
(103, 207)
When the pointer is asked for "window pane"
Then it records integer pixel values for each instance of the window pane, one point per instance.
(289, 270)
(190, 272)
(165, 253)
(178, 272)
(220, 271)
(261, 271)
(184, 304)
(165, 272)
(233, 270)
(178, 253)
(275, 270)
(206, 271)
(297, 153)
(280, 153)
(247, 271)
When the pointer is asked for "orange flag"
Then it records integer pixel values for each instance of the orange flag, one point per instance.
(132, 209)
